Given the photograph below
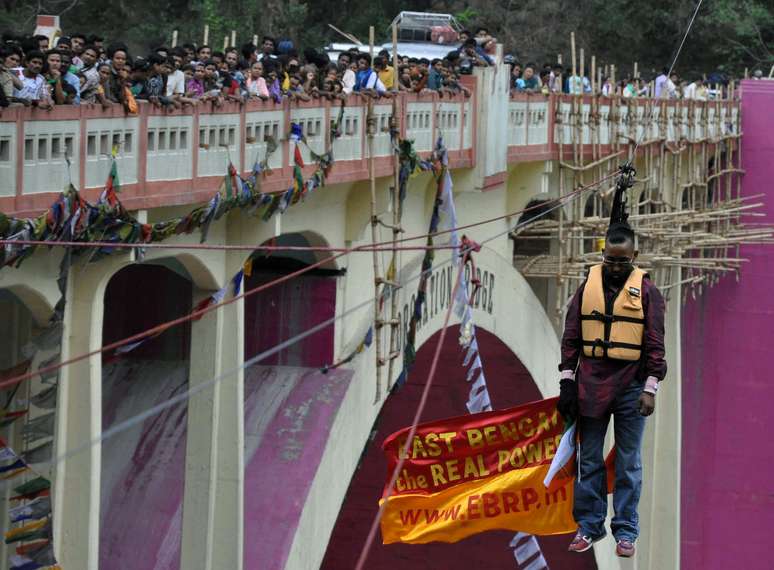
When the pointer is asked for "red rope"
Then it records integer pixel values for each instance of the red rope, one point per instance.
(167, 325)
(417, 415)
(219, 247)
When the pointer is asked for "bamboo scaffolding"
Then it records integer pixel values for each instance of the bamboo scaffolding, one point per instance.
(378, 279)
(397, 217)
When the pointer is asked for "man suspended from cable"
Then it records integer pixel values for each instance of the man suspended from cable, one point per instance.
(612, 362)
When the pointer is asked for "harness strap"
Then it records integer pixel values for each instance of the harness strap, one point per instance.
(610, 344)
(597, 316)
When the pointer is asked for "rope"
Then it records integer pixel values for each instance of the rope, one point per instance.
(134, 420)
(158, 329)
(417, 415)
(204, 246)
(669, 73)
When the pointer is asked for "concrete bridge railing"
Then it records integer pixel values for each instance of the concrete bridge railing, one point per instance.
(171, 158)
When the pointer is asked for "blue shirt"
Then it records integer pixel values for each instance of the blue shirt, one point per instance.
(75, 83)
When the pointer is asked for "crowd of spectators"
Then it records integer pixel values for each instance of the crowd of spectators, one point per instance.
(552, 78)
(83, 69)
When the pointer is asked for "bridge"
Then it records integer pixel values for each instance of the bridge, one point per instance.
(192, 487)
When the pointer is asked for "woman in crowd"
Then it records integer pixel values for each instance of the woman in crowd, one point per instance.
(256, 84)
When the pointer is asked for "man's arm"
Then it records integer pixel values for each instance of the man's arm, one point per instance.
(572, 337)
(571, 345)
(655, 364)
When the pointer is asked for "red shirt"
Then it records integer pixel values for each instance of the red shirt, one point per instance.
(600, 380)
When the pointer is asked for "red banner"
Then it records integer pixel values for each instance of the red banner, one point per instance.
(479, 472)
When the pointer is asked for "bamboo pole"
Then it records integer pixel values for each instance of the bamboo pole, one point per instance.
(174, 38)
(378, 280)
(397, 216)
(225, 42)
(574, 67)
(206, 34)
(255, 40)
(233, 38)
(612, 77)
(594, 82)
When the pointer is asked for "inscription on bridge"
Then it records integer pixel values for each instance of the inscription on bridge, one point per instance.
(439, 290)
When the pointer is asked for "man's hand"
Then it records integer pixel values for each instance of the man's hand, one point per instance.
(568, 399)
(647, 403)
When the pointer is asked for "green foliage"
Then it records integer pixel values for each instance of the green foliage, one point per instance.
(732, 33)
(467, 16)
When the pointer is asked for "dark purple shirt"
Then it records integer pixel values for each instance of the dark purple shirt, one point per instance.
(600, 380)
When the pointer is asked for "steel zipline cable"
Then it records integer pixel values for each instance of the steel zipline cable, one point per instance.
(669, 73)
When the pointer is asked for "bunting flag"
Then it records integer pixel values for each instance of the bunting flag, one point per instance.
(33, 516)
(36, 509)
(236, 281)
(6, 453)
(29, 547)
(362, 345)
(409, 165)
(43, 555)
(40, 454)
(214, 299)
(526, 549)
(12, 466)
(72, 218)
(109, 196)
(46, 399)
(32, 489)
(16, 370)
(23, 532)
(52, 376)
(7, 418)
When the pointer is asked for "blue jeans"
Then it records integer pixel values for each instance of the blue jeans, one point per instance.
(590, 506)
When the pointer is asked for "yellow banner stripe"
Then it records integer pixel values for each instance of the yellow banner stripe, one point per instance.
(515, 500)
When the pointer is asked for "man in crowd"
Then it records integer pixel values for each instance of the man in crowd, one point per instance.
(367, 81)
(33, 88)
(78, 43)
(385, 70)
(472, 53)
(348, 77)
(267, 49)
(9, 79)
(689, 92)
(528, 82)
(435, 76)
(204, 54)
(660, 85)
(556, 78)
(232, 63)
(176, 78)
(612, 362)
(90, 73)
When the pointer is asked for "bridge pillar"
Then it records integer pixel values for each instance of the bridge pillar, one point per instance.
(212, 535)
(77, 481)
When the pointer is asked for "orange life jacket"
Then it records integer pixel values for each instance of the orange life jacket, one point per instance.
(617, 331)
